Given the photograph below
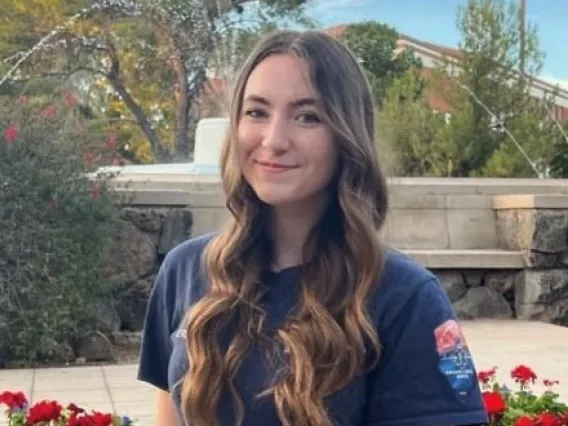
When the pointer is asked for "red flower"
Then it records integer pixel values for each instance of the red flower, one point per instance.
(88, 157)
(43, 411)
(95, 419)
(547, 419)
(111, 142)
(49, 112)
(494, 403)
(523, 374)
(549, 383)
(100, 419)
(75, 409)
(486, 376)
(11, 133)
(524, 421)
(70, 98)
(14, 400)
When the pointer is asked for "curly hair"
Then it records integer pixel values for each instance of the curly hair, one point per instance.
(329, 338)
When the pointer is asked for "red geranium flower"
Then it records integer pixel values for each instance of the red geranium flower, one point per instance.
(524, 421)
(14, 400)
(43, 411)
(548, 419)
(101, 419)
(523, 374)
(486, 376)
(494, 403)
(549, 383)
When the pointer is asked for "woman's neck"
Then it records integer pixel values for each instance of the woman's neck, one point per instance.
(290, 227)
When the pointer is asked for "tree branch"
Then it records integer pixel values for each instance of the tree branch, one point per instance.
(142, 119)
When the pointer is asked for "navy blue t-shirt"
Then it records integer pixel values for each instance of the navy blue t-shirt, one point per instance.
(425, 376)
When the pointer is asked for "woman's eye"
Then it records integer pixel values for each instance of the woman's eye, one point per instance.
(255, 113)
(309, 118)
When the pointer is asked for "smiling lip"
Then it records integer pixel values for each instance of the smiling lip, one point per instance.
(275, 167)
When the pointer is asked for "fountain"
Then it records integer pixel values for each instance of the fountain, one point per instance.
(209, 136)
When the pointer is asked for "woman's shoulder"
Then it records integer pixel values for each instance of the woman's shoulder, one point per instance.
(400, 270)
(404, 281)
(187, 254)
(181, 277)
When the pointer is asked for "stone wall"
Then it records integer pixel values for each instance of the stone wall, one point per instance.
(533, 287)
(537, 226)
(147, 235)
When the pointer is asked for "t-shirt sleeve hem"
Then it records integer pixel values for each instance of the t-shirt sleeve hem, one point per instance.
(146, 378)
(478, 417)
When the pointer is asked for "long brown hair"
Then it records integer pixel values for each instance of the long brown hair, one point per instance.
(330, 338)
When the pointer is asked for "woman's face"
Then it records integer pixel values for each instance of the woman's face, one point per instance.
(286, 151)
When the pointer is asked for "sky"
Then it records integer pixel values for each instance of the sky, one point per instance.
(435, 21)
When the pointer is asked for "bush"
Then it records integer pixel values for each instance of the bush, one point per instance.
(57, 227)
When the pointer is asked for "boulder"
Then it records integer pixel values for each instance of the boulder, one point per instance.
(483, 302)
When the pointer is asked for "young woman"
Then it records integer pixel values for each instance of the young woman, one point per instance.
(294, 314)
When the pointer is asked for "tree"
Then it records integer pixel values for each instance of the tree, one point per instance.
(142, 64)
(497, 127)
(374, 44)
(409, 131)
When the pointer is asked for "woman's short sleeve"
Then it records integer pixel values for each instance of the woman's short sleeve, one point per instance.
(156, 347)
(426, 375)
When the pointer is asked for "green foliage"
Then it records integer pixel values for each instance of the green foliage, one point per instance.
(57, 226)
(412, 132)
(144, 74)
(496, 127)
(373, 43)
(559, 163)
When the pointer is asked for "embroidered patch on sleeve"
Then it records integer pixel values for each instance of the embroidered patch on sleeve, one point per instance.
(456, 363)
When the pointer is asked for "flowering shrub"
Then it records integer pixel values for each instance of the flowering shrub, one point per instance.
(58, 227)
(51, 413)
(522, 407)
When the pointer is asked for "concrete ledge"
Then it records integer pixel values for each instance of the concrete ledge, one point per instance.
(397, 185)
(479, 186)
(467, 259)
(171, 198)
(530, 201)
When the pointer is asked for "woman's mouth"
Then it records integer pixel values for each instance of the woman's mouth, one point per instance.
(275, 167)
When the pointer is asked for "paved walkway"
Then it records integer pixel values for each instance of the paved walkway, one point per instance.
(541, 346)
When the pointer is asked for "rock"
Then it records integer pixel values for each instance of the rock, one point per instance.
(550, 231)
(474, 278)
(501, 282)
(453, 283)
(145, 219)
(95, 347)
(135, 257)
(542, 295)
(131, 304)
(4, 344)
(482, 302)
(107, 318)
(127, 340)
(64, 354)
(176, 229)
(541, 234)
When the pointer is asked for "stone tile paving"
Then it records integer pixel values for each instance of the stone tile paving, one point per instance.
(543, 347)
